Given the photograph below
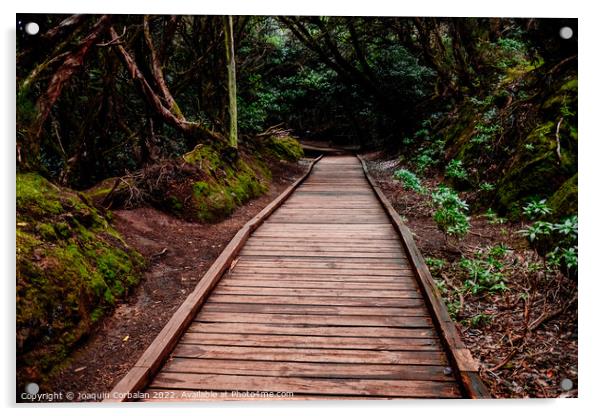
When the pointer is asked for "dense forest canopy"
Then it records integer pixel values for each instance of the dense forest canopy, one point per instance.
(99, 95)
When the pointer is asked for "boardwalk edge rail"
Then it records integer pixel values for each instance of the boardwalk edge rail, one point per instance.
(149, 363)
(464, 366)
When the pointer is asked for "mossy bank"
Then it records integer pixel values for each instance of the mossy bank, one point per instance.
(205, 184)
(72, 266)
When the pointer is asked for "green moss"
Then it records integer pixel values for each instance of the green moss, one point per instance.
(205, 157)
(37, 195)
(284, 148)
(564, 201)
(230, 181)
(71, 268)
(535, 173)
(200, 189)
(62, 229)
(46, 231)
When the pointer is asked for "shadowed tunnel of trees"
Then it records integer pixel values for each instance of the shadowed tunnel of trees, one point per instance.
(99, 95)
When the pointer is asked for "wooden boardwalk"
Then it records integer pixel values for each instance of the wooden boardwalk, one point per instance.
(322, 301)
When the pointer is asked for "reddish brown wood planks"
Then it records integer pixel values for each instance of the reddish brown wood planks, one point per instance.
(322, 301)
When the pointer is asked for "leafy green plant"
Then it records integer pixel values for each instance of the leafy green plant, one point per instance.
(483, 276)
(568, 228)
(486, 187)
(485, 132)
(455, 170)
(408, 179)
(566, 256)
(423, 161)
(435, 265)
(536, 209)
(450, 215)
(498, 251)
(537, 229)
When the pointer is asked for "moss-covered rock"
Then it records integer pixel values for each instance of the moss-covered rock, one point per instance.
(283, 148)
(564, 201)
(230, 181)
(547, 156)
(71, 267)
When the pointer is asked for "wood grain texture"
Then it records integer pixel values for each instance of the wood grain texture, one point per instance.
(462, 361)
(323, 300)
(158, 351)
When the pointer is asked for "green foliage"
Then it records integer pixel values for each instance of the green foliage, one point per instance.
(537, 230)
(455, 170)
(450, 215)
(435, 265)
(483, 275)
(536, 209)
(486, 187)
(510, 52)
(485, 132)
(409, 180)
(498, 251)
(479, 320)
(423, 161)
(561, 236)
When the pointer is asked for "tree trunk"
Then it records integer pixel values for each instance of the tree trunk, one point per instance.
(154, 101)
(231, 65)
(157, 71)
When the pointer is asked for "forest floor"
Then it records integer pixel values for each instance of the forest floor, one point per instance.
(178, 254)
(524, 337)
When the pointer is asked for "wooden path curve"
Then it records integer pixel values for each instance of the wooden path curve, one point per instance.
(325, 295)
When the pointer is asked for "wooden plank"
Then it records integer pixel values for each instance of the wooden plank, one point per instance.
(289, 249)
(317, 292)
(303, 341)
(318, 300)
(322, 263)
(340, 320)
(314, 370)
(324, 271)
(327, 241)
(461, 359)
(396, 388)
(308, 329)
(313, 309)
(338, 259)
(405, 278)
(157, 352)
(313, 284)
(319, 355)
(321, 254)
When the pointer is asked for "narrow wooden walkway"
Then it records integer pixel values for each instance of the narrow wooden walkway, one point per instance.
(322, 302)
